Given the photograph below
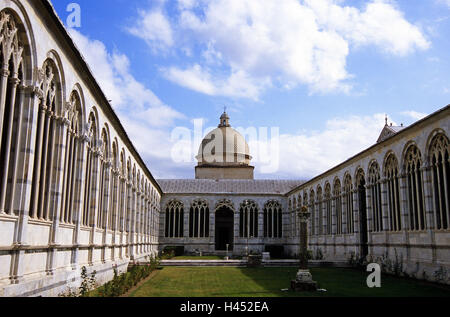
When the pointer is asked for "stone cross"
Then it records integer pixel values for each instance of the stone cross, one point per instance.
(304, 215)
(303, 280)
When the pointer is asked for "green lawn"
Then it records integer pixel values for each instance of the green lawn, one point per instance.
(268, 282)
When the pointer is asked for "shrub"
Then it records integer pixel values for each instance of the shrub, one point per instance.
(87, 283)
(121, 284)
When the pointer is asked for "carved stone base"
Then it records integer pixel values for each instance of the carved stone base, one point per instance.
(303, 282)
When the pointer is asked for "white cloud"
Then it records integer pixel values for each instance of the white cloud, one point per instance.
(380, 24)
(308, 154)
(445, 2)
(280, 43)
(414, 114)
(197, 78)
(154, 28)
(144, 116)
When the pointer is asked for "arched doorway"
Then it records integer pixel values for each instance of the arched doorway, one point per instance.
(224, 233)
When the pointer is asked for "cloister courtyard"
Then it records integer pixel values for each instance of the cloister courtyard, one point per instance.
(275, 282)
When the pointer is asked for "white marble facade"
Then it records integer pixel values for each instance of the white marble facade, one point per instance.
(400, 187)
(74, 191)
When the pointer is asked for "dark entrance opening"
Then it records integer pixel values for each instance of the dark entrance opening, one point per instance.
(224, 229)
(363, 218)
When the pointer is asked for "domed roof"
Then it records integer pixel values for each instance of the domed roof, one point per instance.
(224, 146)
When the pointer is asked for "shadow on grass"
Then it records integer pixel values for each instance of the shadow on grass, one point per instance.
(344, 282)
(269, 282)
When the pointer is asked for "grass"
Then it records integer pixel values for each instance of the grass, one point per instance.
(268, 282)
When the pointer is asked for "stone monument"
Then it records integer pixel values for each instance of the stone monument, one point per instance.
(303, 280)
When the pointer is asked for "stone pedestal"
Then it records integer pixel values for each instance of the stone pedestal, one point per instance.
(254, 260)
(303, 282)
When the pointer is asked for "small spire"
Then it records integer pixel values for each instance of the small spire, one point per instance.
(224, 119)
(386, 119)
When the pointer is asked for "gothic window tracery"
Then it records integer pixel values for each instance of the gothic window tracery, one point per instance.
(72, 166)
(413, 172)
(320, 216)
(337, 196)
(248, 219)
(199, 219)
(90, 173)
(11, 107)
(273, 219)
(348, 198)
(174, 219)
(44, 177)
(440, 173)
(375, 194)
(328, 209)
(391, 174)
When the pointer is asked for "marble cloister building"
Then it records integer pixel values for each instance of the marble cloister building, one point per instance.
(75, 192)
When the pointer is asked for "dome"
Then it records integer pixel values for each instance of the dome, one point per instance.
(224, 146)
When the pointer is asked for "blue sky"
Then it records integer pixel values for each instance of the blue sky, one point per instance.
(324, 72)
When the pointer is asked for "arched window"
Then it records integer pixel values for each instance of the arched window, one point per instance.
(348, 198)
(375, 194)
(174, 219)
(412, 166)
(72, 166)
(248, 219)
(393, 193)
(129, 199)
(320, 211)
(328, 210)
(43, 175)
(103, 209)
(91, 163)
(338, 205)
(137, 203)
(440, 167)
(312, 204)
(11, 107)
(114, 185)
(122, 196)
(273, 220)
(199, 219)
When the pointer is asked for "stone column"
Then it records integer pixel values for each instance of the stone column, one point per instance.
(59, 152)
(9, 131)
(94, 192)
(404, 211)
(132, 224)
(428, 205)
(303, 280)
(106, 207)
(4, 74)
(128, 218)
(116, 211)
(81, 180)
(20, 230)
(356, 223)
(17, 148)
(333, 222)
(385, 210)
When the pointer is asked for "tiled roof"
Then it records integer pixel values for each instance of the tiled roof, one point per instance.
(227, 186)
